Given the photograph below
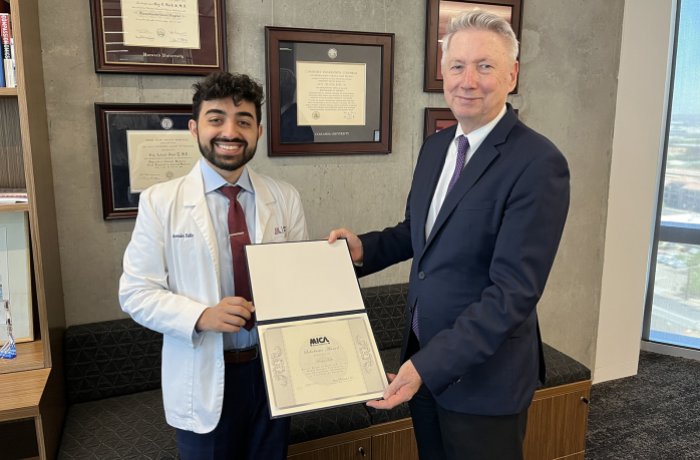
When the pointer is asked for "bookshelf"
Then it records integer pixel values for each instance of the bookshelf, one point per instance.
(31, 386)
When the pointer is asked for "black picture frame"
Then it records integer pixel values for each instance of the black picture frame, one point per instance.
(113, 121)
(439, 14)
(202, 43)
(296, 59)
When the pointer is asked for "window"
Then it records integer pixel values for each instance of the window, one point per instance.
(673, 303)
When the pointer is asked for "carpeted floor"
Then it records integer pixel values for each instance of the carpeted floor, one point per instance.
(653, 415)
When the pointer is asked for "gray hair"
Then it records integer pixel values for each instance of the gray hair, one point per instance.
(481, 20)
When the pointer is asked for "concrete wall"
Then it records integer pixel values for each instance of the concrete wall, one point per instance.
(567, 91)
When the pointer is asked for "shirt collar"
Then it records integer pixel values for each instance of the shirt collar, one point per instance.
(477, 136)
(213, 181)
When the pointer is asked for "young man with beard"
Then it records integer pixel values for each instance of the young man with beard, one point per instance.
(185, 277)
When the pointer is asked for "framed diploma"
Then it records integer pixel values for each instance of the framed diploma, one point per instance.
(183, 37)
(140, 145)
(440, 13)
(328, 92)
(316, 343)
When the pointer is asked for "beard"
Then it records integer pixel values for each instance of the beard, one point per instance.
(225, 162)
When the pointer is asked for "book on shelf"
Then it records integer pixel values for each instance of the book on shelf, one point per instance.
(13, 195)
(2, 76)
(8, 64)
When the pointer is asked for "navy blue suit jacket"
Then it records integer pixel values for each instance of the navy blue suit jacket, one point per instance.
(477, 278)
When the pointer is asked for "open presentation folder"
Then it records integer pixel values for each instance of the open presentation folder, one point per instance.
(316, 342)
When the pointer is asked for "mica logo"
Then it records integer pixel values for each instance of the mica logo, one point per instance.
(318, 341)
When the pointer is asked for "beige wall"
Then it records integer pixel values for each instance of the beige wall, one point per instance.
(567, 91)
(640, 127)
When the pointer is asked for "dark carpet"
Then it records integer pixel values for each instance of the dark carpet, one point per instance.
(653, 415)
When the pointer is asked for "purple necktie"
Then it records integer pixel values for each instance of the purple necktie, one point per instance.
(462, 147)
(238, 234)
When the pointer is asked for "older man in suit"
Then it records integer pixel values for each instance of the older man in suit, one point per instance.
(483, 221)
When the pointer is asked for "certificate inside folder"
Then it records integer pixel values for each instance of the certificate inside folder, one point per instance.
(316, 343)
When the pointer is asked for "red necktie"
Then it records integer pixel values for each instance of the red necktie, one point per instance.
(238, 234)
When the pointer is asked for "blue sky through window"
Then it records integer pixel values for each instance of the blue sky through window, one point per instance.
(686, 97)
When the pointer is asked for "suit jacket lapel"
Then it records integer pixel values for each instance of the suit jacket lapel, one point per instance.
(424, 185)
(479, 163)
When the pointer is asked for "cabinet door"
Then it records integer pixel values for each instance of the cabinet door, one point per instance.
(397, 445)
(354, 450)
(557, 423)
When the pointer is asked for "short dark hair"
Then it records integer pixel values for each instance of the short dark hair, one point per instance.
(221, 85)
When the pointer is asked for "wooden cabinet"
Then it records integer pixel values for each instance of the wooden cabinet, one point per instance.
(352, 450)
(395, 443)
(31, 388)
(556, 430)
(387, 441)
(557, 422)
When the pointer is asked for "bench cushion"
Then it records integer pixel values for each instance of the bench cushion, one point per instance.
(562, 369)
(129, 426)
(110, 358)
(319, 424)
(385, 307)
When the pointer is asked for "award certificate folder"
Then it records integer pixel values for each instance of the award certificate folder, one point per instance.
(316, 342)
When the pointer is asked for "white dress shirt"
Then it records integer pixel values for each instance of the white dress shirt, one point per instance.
(475, 138)
(218, 209)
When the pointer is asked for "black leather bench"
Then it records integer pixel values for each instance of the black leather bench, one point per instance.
(115, 411)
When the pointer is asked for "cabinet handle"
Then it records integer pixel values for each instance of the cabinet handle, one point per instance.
(584, 400)
(361, 451)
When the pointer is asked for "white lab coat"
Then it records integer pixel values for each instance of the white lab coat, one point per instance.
(171, 274)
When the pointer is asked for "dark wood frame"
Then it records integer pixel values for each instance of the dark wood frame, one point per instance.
(433, 116)
(432, 81)
(210, 57)
(117, 201)
(274, 36)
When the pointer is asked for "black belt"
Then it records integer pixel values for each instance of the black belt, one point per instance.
(241, 356)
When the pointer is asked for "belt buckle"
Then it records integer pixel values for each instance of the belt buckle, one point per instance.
(255, 352)
(241, 356)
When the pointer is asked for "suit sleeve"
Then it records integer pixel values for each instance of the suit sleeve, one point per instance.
(526, 244)
(144, 291)
(387, 247)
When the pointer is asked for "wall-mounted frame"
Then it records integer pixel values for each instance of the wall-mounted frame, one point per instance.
(439, 14)
(328, 92)
(140, 145)
(182, 37)
(15, 276)
(438, 118)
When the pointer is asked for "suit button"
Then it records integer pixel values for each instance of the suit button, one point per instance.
(421, 275)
